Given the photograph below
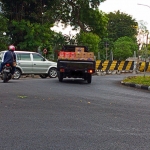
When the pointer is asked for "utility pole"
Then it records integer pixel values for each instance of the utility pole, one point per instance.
(112, 55)
(146, 53)
(99, 55)
(106, 46)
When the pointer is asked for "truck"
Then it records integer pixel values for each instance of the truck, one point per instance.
(75, 62)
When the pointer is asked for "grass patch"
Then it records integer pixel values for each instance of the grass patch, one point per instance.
(138, 80)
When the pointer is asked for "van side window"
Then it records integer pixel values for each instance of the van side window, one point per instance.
(37, 57)
(24, 56)
(1, 56)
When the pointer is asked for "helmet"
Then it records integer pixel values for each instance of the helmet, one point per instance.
(11, 47)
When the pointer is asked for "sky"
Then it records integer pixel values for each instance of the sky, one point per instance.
(130, 7)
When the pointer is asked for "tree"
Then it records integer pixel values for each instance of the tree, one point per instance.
(29, 36)
(57, 41)
(32, 10)
(144, 52)
(73, 12)
(69, 11)
(4, 39)
(120, 25)
(89, 39)
(76, 12)
(106, 46)
(96, 22)
(124, 47)
(142, 37)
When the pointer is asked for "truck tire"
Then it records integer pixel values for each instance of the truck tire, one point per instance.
(89, 78)
(60, 77)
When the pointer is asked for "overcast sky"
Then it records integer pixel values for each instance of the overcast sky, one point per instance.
(130, 7)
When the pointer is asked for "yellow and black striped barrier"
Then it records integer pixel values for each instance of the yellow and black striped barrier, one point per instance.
(144, 66)
(114, 65)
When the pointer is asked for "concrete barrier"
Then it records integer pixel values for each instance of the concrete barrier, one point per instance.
(114, 67)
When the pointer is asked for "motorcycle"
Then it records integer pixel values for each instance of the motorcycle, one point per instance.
(6, 73)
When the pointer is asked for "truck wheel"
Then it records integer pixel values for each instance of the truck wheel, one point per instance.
(89, 78)
(60, 77)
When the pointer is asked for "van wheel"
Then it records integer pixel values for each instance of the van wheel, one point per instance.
(52, 73)
(17, 74)
(43, 76)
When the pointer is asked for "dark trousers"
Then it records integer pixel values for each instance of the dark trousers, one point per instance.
(13, 70)
(1, 66)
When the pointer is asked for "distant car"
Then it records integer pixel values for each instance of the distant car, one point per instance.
(33, 63)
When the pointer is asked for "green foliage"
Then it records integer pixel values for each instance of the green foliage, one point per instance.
(145, 51)
(3, 30)
(96, 22)
(57, 41)
(48, 11)
(124, 47)
(32, 10)
(25, 18)
(29, 36)
(89, 39)
(74, 12)
(120, 25)
(142, 80)
(106, 45)
(148, 49)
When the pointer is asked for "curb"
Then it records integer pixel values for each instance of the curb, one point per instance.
(144, 87)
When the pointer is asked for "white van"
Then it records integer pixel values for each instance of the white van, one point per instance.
(33, 63)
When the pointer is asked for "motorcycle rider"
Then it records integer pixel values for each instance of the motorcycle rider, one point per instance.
(9, 57)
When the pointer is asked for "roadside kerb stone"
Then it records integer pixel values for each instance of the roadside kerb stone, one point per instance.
(145, 87)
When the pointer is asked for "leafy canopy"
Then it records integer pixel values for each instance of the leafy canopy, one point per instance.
(30, 35)
(124, 47)
(68, 11)
(37, 15)
(120, 25)
(89, 39)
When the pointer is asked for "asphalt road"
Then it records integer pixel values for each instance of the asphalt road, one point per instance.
(44, 114)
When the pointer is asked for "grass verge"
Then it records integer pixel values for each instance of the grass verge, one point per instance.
(142, 80)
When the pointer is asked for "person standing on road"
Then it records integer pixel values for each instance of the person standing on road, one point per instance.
(9, 57)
